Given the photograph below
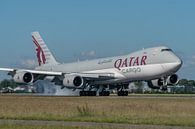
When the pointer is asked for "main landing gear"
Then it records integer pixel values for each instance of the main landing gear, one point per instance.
(122, 93)
(104, 93)
(87, 93)
(94, 93)
(91, 91)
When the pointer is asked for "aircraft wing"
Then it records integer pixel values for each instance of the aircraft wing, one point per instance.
(6, 69)
(52, 73)
(40, 75)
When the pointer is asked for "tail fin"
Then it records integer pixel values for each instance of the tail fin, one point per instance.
(44, 55)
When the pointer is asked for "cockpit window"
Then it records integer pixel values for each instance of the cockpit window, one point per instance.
(167, 49)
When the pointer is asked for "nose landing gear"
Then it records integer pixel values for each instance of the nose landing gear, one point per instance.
(164, 88)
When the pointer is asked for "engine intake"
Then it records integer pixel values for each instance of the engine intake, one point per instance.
(157, 83)
(73, 81)
(23, 77)
(173, 79)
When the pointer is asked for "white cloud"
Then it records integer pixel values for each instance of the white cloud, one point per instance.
(28, 63)
(86, 55)
(188, 68)
(191, 61)
(92, 53)
(193, 57)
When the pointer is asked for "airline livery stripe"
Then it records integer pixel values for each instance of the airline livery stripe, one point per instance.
(35, 41)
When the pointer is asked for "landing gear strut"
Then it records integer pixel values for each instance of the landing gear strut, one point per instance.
(87, 91)
(164, 88)
(103, 91)
(122, 91)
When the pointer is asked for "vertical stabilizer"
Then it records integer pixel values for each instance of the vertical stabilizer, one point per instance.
(44, 55)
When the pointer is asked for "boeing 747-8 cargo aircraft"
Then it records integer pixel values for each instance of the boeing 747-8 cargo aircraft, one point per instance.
(156, 65)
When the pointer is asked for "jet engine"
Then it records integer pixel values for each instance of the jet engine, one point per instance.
(155, 84)
(73, 81)
(173, 79)
(23, 77)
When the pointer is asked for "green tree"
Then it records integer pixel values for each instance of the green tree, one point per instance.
(8, 83)
(191, 83)
(183, 82)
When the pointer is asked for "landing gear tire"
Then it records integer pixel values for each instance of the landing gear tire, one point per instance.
(87, 93)
(164, 88)
(104, 93)
(122, 93)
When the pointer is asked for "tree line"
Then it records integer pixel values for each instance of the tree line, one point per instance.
(185, 82)
(8, 83)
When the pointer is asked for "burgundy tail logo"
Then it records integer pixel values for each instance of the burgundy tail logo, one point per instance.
(40, 53)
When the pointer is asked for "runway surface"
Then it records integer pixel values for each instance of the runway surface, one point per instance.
(111, 96)
(90, 124)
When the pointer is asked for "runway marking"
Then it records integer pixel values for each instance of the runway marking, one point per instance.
(89, 124)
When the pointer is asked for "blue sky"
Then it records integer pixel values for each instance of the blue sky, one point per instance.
(85, 29)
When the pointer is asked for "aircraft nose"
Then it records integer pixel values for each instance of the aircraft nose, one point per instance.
(179, 63)
(174, 66)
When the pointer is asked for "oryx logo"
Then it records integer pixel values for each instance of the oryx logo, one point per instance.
(40, 53)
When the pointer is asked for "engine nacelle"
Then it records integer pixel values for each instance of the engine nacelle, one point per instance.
(23, 77)
(73, 81)
(155, 84)
(173, 79)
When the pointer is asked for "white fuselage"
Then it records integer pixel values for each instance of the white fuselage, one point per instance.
(144, 65)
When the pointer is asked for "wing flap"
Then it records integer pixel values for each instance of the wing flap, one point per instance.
(96, 75)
